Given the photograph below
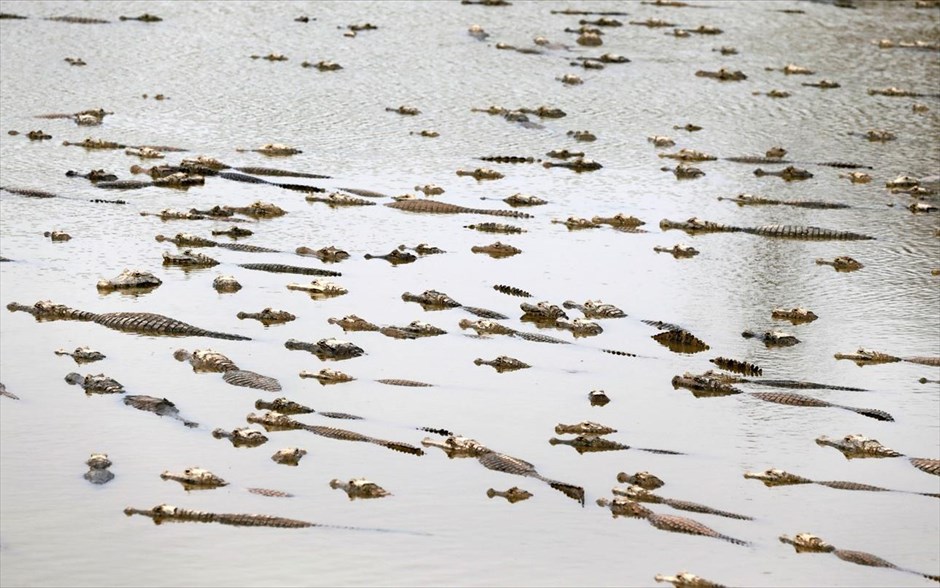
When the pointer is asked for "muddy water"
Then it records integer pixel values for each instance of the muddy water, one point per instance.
(439, 527)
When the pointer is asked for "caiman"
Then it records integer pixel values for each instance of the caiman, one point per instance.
(437, 207)
(276, 421)
(686, 579)
(226, 284)
(82, 354)
(158, 406)
(513, 495)
(289, 456)
(268, 316)
(696, 225)
(776, 477)
(327, 349)
(772, 338)
(319, 289)
(750, 199)
(98, 472)
(207, 360)
(325, 254)
(132, 281)
(807, 542)
(503, 363)
(143, 323)
(644, 480)
(788, 173)
(678, 250)
(859, 446)
(595, 309)
(95, 384)
(843, 263)
(497, 250)
(640, 494)
(864, 357)
(625, 507)
(243, 437)
(794, 315)
(395, 257)
(360, 488)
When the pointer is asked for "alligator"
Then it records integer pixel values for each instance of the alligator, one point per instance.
(661, 141)
(234, 232)
(598, 398)
(643, 480)
(82, 354)
(95, 384)
(323, 65)
(394, 257)
(7, 393)
(812, 543)
(181, 180)
(145, 17)
(268, 316)
(788, 173)
(29, 192)
(434, 300)
(679, 340)
(33, 135)
(353, 323)
(574, 223)
(90, 143)
(898, 92)
(327, 376)
(481, 173)
(859, 446)
(703, 386)
(422, 249)
(592, 443)
(823, 84)
(578, 164)
(434, 206)
(325, 254)
(242, 437)
(511, 291)
(917, 207)
(497, 250)
(360, 488)
(724, 75)
(98, 472)
(496, 228)
(413, 330)
(144, 153)
(280, 268)
(793, 384)
(620, 221)
(190, 240)
(459, 447)
(524, 200)
(327, 349)
(57, 236)
(195, 478)
(794, 315)
(513, 495)
(687, 155)
(201, 163)
(489, 327)
(163, 513)
(621, 506)
(791, 69)
(653, 23)
(503, 363)
(686, 579)
(404, 110)
(643, 495)
(750, 199)
(207, 360)
(684, 172)
(595, 309)
(283, 422)
(88, 118)
(678, 250)
(696, 225)
(864, 357)
(801, 400)
(843, 263)
(738, 367)
(338, 199)
(95, 175)
(289, 456)
(319, 289)
(158, 406)
(879, 135)
(193, 214)
(916, 44)
(579, 327)
(583, 136)
(189, 259)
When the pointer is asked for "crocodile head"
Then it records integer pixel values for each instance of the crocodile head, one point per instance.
(807, 542)
(130, 279)
(624, 507)
(585, 428)
(775, 477)
(457, 446)
(855, 445)
(42, 310)
(98, 461)
(359, 488)
(289, 455)
(195, 477)
(641, 479)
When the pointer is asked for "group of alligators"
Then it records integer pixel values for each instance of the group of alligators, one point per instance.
(589, 436)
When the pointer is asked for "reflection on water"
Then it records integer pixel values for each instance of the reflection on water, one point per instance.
(57, 528)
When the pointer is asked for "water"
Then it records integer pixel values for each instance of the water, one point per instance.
(58, 529)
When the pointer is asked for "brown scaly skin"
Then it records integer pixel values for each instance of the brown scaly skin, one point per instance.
(843, 263)
(326, 254)
(327, 349)
(579, 327)
(422, 249)
(688, 155)
(589, 444)
(95, 384)
(640, 494)
(359, 488)
(226, 284)
(283, 406)
(486, 327)
(772, 338)
(195, 478)
(750, 199)
(704, 386)
(437, 207)
(685, 579)
(328, 376)
(578, 164)
(241, 437)
(415, 329)
(791, 399)
(857, 446)
(644, 480)
(822, 84)
(739, 367)
(678, 250)
(794, 315)
(497, 250)
(353, 323)
(680, 341)
(807, 542)
(404, 110)
(585, 428)
(275, 421)
(258, 209)
(394, 257)
(95, 175)
(684, 172)
(598, 398)
(159, 406)
(620, 506)
(431, 299)
(273, 148)
(619, 220)
(339, 199)
(595, 309)
(289, 456)
(864, 357)
(188, 259)
(82, 354)
(524, 200)
(503, 363)
(775, 477)
(575, 223)
(166, 513)
(280, 268)
(234, 232)
(98, 464)
(788, 173)
(513, 495)
(583, 136)
(268, 316)
(723, 75)
(319, 288)
(496, 228)
(542, 312)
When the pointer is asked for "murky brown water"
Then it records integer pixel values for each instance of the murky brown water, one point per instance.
(58, 529)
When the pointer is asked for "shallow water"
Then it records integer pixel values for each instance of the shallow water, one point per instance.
(58, 529)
